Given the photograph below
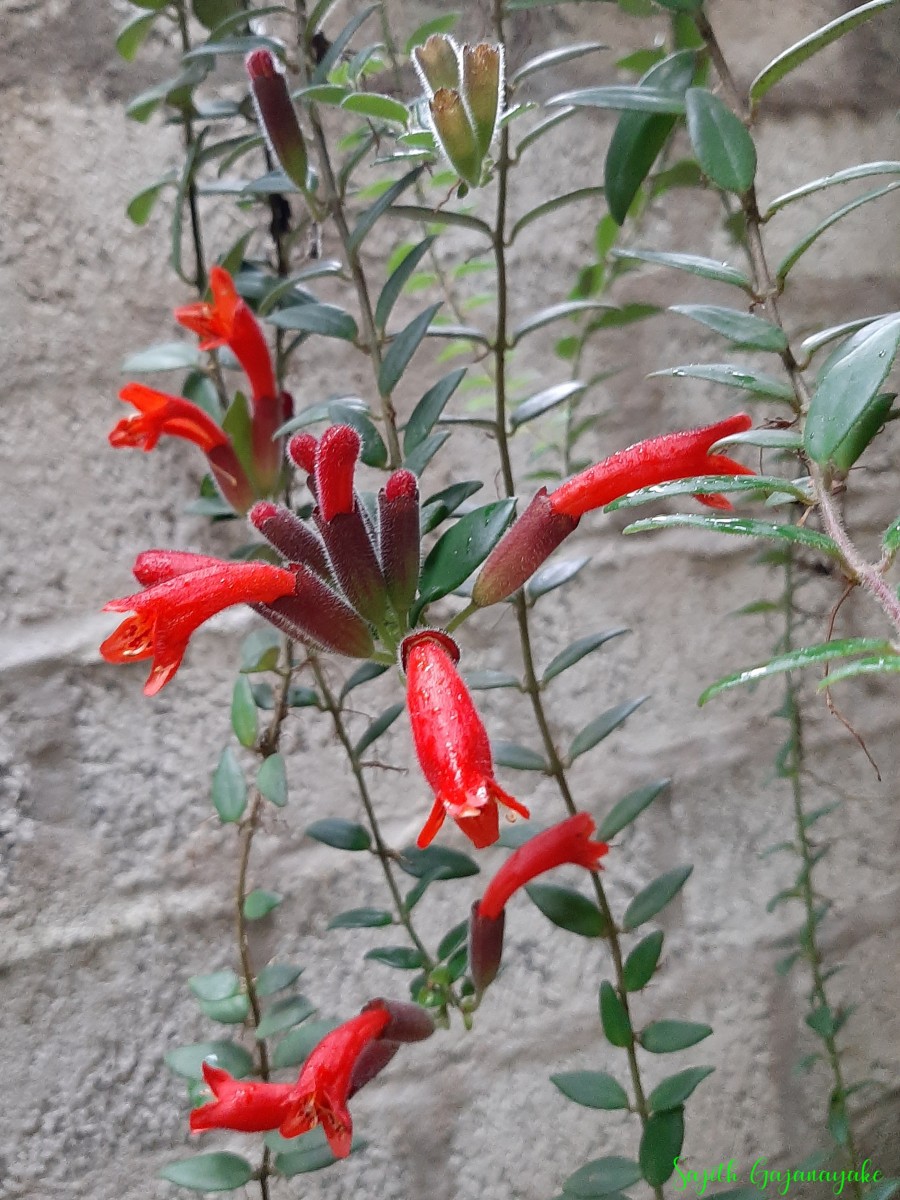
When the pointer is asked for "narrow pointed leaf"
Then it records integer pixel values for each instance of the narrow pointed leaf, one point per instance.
(673, 1091)
(741, 526)
(361, 918)
(768, 439)
(437, 862)
(271, 779)
(878, 664)
(554, 312)
(336, 47)
(554, 58)
(243, 712)
(655, 897)
(732, 376)
(141, 205)
(218, 985)
(341, 834)
(398, 280)
(542, 128)
(363, 674)
(403, 958)
(577, 650)
(229, 790)
(188, 1061)
(724, 148)
(591, 1089)
(378, 727)
(324, 319)
(661, 1143)
(614, 1017)
(543, 401)
(486, 679)
(401, 349)
(705, 485)
(381, 205)
(131, 36)
(517, 758)
(806, 656)
(630, 807)
(550, 206)
(601, 727)
(667, 1037)
(803, 50)
(463, 548)
(284, 1014)
(861, 171)
(259, 903)
(217, 1172)
(568, 909)
(430, 216)
(427, 412)
(419, 458)
(694, 264)
(552, 577)
(790, 259)
(741, 328)
(641, 963)
(377, 107)
(276, 976)
(602, 1177)
(622, 97)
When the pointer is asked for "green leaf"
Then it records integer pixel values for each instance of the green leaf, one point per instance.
(661, 1143)
(665, 1037)
(543, 401)
(463, 548)
(218, 1172)
(614, 1017)
(259, 903)
(484, 679)
(849, 388)
(694, 264)
(271, 780)
(798, 54)
(310, 1152)
(377, 107)
(361, 918)
(602, 1177)
(426, 413)
(642, 961)
(296, 1046)
(401, 349)
(630, 807)
(243, 712)
(554, 312)
(418, 212)
(578, 650)
(141, 205)
(673, 1092)
(554, 58)
(403, 958)
(276, 976)
(542, 128)
(166, 356)
(325, 319)
(591, 1089)
(377, 727)
(861, 171)
(398, 279)
(229, 790)
(284, 1014)
(741, 526)
(724, 148)
(441, 24)
(550, 206)
(816, 341)
(806, 656)
(654, 897)
(218, 985)
(131, 37)
(260, 650)
(601, 727)
(788, 262)
(624, 98)
(341, 834)
(552, 577)
(419, 458)
(233, 1011)
(366, 222)
(891, 537)
(188, 1061)
(741, 328)
(732, 376)
(444, 503)
(361, 675)
(339, 43)
(438, 862)
(568, 909)
(755, 486)
(452, 940)
(517, 758)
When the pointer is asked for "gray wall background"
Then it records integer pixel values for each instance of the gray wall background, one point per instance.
(115, 881)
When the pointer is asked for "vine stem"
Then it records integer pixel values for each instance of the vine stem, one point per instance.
(556, 767)
(334, 205)
(858, 569)
(189, 140)
(813, 952)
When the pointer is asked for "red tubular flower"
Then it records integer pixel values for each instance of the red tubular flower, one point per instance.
(302, 450)
(567, 842)
(657, 460)
(156, 566)
(451, 742)
(336, 454)
(521, 550)
(241, 1104)
(166, 614)
(161, 415)
(320, 1095)
(228, 320)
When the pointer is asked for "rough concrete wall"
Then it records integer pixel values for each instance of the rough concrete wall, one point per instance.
(115, 881)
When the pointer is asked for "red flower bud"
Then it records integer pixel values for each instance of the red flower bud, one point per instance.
(408, 1022)
(451, 743)
(277, 117)
(287, 533)
(399, 546)
(371, 1062)
(485, 946)
(314, 613)
(657, 460)
(567, 842)
(348, 539)
(521, 550)
(336, 455)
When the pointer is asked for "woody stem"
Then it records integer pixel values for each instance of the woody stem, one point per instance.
(556, 767)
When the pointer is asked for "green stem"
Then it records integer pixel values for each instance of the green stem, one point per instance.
(812, 950)
(556, 767)
(200, 277)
